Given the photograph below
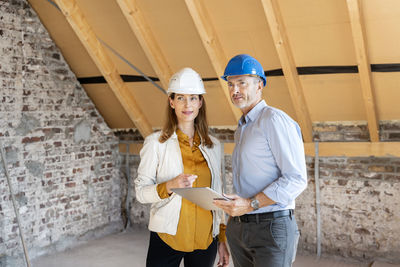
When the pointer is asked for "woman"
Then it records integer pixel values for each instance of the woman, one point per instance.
(182, 155)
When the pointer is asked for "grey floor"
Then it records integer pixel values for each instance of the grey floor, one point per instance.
(129, 249)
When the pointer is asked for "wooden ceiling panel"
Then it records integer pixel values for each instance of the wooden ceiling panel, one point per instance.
(109, 24)
(176, 33)
(382, 20)
(335, 97)
(319, 32)
(387, 95)
(108, 106)
(150, 100)
(276, 94)
(242, 28)
(65, 38)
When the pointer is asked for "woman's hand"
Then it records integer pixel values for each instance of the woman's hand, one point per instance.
(181, 181)
(223, 254)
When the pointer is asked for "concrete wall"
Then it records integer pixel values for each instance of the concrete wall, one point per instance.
(360, 204)
(62, 157)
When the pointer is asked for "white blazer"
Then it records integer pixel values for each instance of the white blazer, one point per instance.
(160, 162)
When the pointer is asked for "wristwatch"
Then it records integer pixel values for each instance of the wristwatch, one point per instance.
(255, 204)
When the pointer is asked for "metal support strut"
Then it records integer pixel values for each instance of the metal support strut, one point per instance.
(3, 156)
(317, 199)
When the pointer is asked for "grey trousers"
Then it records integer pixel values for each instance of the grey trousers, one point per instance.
(271, 243)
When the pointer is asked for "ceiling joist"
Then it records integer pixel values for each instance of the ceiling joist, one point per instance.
(357, 28)
(286, 58)
(146, 38)
(78, 22)
(212, 45)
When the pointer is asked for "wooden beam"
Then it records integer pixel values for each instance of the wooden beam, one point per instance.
(211, 43)
(354, 149)
(146, 38)
(108, 69)
(281, 41)
(326, 149)
(357, 28)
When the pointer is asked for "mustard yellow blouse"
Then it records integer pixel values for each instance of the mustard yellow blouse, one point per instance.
(195, 223)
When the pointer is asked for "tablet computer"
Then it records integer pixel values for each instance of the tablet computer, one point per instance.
(202, 196)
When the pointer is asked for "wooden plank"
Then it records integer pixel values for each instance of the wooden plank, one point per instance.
(357, 28)
(108, 69)
(326, 149)
(146, 38)
(281, 41)
(212, 45)
(354, 149)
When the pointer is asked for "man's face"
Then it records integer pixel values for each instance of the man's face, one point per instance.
(245, 91)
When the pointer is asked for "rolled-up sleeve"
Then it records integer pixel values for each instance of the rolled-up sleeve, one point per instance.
(285, 140)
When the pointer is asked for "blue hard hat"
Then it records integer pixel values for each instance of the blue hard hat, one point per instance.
(244, 65)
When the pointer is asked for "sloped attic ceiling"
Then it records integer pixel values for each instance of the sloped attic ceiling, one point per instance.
(324, 40)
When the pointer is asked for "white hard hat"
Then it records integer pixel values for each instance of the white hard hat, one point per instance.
(186, 81)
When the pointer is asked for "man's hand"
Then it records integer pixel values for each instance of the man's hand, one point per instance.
(223, 254)
(236, 206)
(181, 181)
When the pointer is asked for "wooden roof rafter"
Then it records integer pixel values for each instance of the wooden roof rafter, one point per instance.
(357, 28)
(145, 36)
(212, 45)
(86, 35)
(281, 42)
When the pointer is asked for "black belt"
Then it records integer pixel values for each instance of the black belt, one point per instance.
(260, 217)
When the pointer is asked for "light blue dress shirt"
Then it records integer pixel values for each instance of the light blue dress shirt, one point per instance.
(269, 157)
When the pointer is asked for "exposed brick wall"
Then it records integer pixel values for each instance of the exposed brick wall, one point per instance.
(62, 157)
(354, 131)
(224, 135)
(138, 213)
(131, 135)
(335, 132)
(360, 208)
(360, 204)
(390, 131)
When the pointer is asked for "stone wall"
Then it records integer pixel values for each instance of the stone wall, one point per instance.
(354, 131)
(360, 204)
(62, 158)
(360, 208)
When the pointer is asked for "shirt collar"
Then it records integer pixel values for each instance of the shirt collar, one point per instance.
(253, 113)
(182, 137)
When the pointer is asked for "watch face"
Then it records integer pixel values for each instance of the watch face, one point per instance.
(254, 204)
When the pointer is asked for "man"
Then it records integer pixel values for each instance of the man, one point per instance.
(269, 172)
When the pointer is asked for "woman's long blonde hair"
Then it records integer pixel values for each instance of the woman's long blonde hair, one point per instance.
(200, 123)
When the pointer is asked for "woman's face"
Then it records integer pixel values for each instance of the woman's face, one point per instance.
(186, 106)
